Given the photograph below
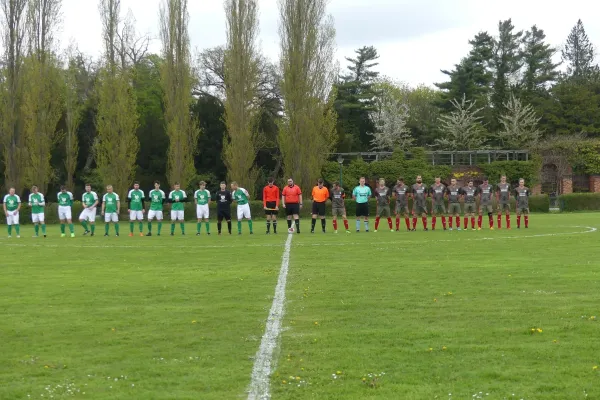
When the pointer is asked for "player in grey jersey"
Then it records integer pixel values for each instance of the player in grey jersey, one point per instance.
(469, 193)
(454, 193)
(503, 197)
(522, 195)
(419, 196)
(382, 193)
(485, 203)
(438, 192)
(338, 206)
(401, 195)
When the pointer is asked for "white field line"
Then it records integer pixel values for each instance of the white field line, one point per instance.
(459, 236)
(260, 384)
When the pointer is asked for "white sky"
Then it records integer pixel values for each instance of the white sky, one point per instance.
(415, 39)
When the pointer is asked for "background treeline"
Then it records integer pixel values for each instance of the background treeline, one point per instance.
(230, 113)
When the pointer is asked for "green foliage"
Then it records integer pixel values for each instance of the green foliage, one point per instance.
(514, 170)
(580, 202)
(588, 157)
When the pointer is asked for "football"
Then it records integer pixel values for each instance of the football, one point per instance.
(291, 230)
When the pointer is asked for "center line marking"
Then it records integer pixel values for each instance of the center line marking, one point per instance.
(260, 385)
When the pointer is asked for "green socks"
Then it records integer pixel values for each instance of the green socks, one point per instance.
(141, 226)
(43, 229)
(85, 225)
(159, 227)
(106, 228)
(18, 229)
(131, 227)
(62, 228)
(182, 226)
(250, 225)
(207, 226)
(37, 229)
(71, 228)
(9, 230)
(239, 226)
(93, 228)
(198, 227)
(172, 229)
(117, 228)
(149, 227)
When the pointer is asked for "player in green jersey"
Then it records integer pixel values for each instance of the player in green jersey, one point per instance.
(88, 215)
(202, 199)
(157, 198)
(241, 197)
(12, 205)
(65, 201)
(37, 203)
(111, 204)
(135, 199)
(177, 198)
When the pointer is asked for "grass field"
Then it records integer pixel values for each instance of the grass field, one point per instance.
(421, 315)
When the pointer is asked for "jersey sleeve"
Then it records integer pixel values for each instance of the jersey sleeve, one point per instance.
(95, 195)
(43, 202)
(30, 194)
(196, 194)
(208, 192)
(265, 196)
(184, 194)
(129, 195)
(18, 198)
(170, 195)
(246, 193)
(4, 199)
(117, 197)
(104, 198)
(70, 195)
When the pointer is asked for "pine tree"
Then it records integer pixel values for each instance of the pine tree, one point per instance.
(462, 128)
(507, 63)
(578, 53)
(539, 69)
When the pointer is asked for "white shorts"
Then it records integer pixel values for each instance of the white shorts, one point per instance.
(13, 218)
(155, 214)
(39, 217)
(177, 215)
(111, 217)
(136, 215)
(243, 211)
(64, 213)
(88, 215)
(202, 211)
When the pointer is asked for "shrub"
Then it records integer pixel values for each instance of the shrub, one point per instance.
(579, 202)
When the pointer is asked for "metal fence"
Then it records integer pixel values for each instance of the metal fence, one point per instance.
(473, 157)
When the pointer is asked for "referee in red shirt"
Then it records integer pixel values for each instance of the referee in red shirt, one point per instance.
(271, 204)
(292, 202)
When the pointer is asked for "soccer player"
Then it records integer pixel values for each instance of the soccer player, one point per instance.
(157, 198)
(503, 197)
(361, 195)
(522, 194)
(223, 207)
(469, 194)
(438, 192)
(37, 203)
(320, 194)
(12, 205)
(111, 204)
(401, 194)
(419, 195)
(485, 203)
(271, 204)
(65, 201)
(177, 198)
(382, 193)
(135, 199)
(454, 193)
(338, 206)
(202, 199)
(291, 200)
(241, 196)
(88, 215)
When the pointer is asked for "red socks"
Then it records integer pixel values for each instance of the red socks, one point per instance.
(376, 223)
(527, 221)
(451, 219)
(499, 221)
(472, 222)
(508, 221)
(479, 221)
(335, 225)
(458, 222)
(407, 221)
(444, 221)
(346, 224)
(491, 222)
(466, 223)
(390, 222)
(424, 219)
(397, 223)
(518, 221)
(414, 222)
(433, 221)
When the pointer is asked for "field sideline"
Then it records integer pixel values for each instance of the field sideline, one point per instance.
(404, 315)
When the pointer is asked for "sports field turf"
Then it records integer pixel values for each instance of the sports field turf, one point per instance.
(447, 315)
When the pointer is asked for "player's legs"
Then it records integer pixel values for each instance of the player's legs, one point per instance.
(247, 215)
(83, 221)
(9, 224)
(42, 221)
(507, 213)
(173, 221)
(479, 217)
(321, 212)
(205, 217)
(424, 217)
(313, 221)
(36, 224)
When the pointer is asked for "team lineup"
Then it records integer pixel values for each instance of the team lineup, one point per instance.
(468, 201)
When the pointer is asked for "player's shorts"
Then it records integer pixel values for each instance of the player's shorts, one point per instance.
(292, 209)
(418, 210)
(223, 214)
(272, 205)
(88, 215)
(381, 210)
(523, 210)
(177, 215)
(158, 214)
(136, 215)
(64, 213)
(243, 211)
(470, 208)
(503, 207)
(318, 208)
(37, 218)
(202, 211)
(438, 209)
(111, 217)
(362, 209)
(338, 211)
(402, 209)
(454, 208)
(13, 218)
(486, 208)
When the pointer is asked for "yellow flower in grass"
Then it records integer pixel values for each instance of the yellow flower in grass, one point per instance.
(284, 382)
(316, 323)
(430, 349)
(194, 321)
(297, 378)
(338, 372)
(595, 367)
(539, 330)
(444, 348)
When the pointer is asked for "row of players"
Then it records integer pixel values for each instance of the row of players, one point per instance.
(291, 201)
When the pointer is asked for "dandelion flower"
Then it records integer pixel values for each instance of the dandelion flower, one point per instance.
(339, 372)
(444, 348)
(194, 321)
(284, 382)
(431, 349)
(539, 330)
(297, 378)
(316, 323)
(595, 367)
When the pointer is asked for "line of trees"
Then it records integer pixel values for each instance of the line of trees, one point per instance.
(233, 114)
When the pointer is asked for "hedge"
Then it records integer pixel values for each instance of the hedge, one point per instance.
(579, 202)
(536, 203)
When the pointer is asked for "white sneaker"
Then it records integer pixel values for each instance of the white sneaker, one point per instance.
(375, 231)
(18, 236)
(335, 231)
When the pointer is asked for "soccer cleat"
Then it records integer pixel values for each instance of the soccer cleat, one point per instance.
(478, 229)
(219, 233)
(106, 235)
(335, 231)
(375, 231)
(85, 232)
(208, 233)
(413, 230)
(239, 233)
(252, 233)
(44, 236)
(130, 234)
(312, 231)
(117, 235)
(62, 235)
(268, 233)
(366, 231)
(35, 236)
(491, 228)
(324, 231)
(459, 229)
(91, 234)
(182, 234)
(72, 235)
(433, 229)
(425, 229)
(158, 234)
(197, 233)
(149, 234)
(9, 236)
(347, 231)
(141, 234)
(18, 236)
(357, 231)
(445, 229)
(172, 234)
(391, 230)
(451, 229)
(473, 229)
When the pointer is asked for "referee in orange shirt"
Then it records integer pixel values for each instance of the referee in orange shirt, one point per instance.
(271, 204)
(320, 194)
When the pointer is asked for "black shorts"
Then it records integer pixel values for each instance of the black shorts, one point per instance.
(223, 215)
(292, 209)
(272, 205)
(362, 209)
(318, 208)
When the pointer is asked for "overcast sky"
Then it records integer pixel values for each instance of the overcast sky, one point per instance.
(415, 39)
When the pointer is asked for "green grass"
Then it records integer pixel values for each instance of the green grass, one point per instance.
(182, 317)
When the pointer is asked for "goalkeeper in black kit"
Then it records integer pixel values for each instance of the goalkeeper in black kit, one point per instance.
(223, 199)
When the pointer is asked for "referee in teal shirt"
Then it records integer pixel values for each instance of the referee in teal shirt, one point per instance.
(361, 194)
